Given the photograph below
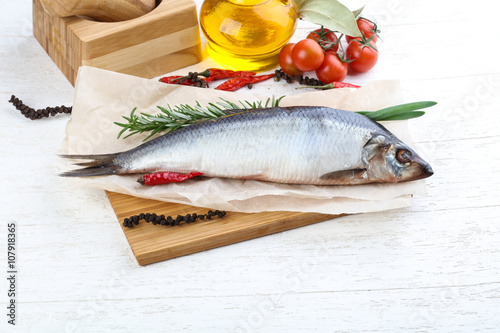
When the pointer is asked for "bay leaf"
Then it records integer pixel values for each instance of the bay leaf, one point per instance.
(329, 13)
(357, 12)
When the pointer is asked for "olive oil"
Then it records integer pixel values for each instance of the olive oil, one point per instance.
(247, 34)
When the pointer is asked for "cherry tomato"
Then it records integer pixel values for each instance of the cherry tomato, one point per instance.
(326, 38)
(307, 55)
(285, 59)
(367, 28)
(332, 69)
(363, 55)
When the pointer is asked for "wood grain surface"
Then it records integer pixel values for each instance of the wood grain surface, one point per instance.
(100, 10)
(431, 267)
(158, 42)
(152, 243)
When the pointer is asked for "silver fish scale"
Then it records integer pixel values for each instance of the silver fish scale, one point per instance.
(286, 145)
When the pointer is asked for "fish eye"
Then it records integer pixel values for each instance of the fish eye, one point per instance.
(403, 155)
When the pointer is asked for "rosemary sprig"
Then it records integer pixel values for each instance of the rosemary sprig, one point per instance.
(172, 118)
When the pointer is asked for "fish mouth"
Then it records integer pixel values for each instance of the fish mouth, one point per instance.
(419, 169)
(426, 172)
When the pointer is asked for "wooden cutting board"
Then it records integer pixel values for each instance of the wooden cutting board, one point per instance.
(152, 243)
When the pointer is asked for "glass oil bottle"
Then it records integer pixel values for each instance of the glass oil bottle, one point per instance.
(247, 34)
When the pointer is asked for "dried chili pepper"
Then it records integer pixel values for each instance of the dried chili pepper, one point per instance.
(155, 219)
(208, 75)
(165, 177)
(208, 79)
(340, 85)
(186, 81)
(182, 80)
(174, 79)
(239, 82)
(333, 85)
(219, 74)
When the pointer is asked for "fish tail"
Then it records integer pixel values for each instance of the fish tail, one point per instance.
(98, 165)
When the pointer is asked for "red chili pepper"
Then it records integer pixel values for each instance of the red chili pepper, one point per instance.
(183, 80)
(344, 85)
(218, 74)
(164, 177)
(176, 79)
(210, 74)
(239, 82)
(332, 85)
(208, 79)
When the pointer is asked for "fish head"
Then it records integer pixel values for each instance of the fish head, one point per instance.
(389, 160)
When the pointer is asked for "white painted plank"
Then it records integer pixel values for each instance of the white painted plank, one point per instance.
(432, 267)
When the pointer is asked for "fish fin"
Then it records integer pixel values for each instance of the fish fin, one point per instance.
(253, 177)
(343, 176)
(95, 159)
(99, 165)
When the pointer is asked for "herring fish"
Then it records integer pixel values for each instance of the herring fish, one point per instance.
(292, 145)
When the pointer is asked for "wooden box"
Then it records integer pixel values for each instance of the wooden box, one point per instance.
(161, 41)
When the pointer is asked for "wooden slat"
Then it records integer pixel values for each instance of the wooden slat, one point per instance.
(101, 38)
(148, 50)
(164, 64)
(152, 243)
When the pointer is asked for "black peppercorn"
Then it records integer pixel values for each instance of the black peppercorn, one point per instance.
(155, 219)
(40, 113)
(301, 79)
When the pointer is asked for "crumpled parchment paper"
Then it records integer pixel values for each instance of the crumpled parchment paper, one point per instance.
(103, 97)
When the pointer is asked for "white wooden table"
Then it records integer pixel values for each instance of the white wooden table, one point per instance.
(433, 267)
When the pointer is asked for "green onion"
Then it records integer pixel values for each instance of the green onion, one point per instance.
(399, 112)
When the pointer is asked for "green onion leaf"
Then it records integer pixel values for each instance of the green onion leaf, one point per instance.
(398, 112)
